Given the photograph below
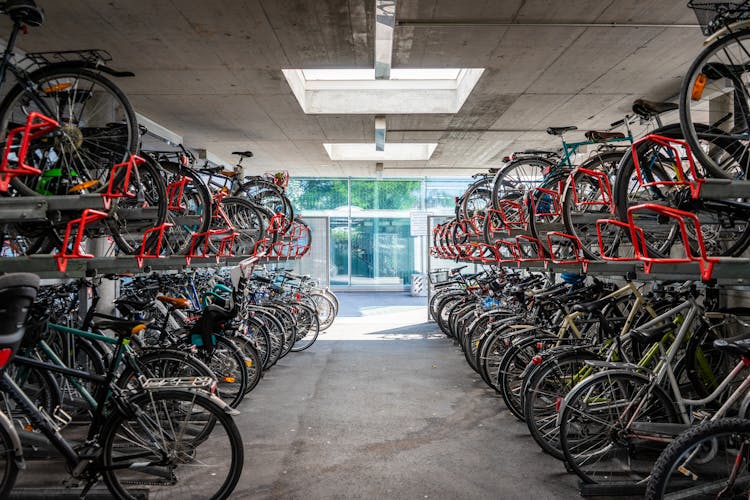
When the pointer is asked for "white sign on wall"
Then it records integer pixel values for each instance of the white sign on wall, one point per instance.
(419, 225)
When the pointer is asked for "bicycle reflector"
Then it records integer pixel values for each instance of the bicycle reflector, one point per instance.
(536, 360)
(698, 86)
(5, 355)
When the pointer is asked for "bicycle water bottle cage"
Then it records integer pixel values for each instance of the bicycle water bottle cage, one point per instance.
(37, 126)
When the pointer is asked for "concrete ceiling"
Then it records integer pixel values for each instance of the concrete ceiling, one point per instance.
(211, 71)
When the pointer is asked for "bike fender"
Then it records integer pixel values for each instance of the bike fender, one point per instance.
(16, 440)
(87, 65)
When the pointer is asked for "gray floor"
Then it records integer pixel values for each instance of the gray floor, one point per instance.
(383, 406)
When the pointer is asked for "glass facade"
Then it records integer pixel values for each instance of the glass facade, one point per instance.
(369, 224)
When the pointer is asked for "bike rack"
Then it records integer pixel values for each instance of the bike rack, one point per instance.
(88, 216)
(688, 178)
(37, 125)
(579, 257)
(602, 251)
(121, 190)
(511, 249)
(705, 262)
(144, 253)
(488, 254)
(605, 188)
(555, 205)
(513, 214)
(175, 192)
(524, 240)
(225, 244)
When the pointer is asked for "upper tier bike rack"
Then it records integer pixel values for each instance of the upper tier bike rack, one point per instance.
(605, 188)
(88, 216)
(525, 241)
(147, 244)
(37, 125)
(119, 180)
(578, 257)
(685, 177)
(226, 244)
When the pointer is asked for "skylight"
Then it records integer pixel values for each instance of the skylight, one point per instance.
(356, 91)
(369, 74)
(392, 152)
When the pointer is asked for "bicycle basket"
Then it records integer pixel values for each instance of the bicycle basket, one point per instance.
(713, 15)
(438, 276)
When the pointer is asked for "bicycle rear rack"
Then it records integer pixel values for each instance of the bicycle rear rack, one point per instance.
(37, 125)
(578, 257)
(604, 188)
(88, 216)
(147, 244)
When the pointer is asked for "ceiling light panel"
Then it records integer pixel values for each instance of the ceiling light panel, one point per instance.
(391, 152)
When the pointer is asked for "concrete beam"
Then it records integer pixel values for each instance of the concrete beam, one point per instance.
(159, 131)
(380, 133)
(385, 19)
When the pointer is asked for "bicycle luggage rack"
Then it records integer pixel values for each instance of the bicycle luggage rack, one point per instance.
(120, 190)
(225, 244)
(525, 241)
(577, 247)
(88, 216)
(605, 188)
(156, 253)
(37, 125)
(687, 177)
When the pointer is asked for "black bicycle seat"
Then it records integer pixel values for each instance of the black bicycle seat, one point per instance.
(138, 305)
(595, 306)
(645, 108)
(739, 346)
(243, 154)
(25, 12)
(560, 130)
(120, 325)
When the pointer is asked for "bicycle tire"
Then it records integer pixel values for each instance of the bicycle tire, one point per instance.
(219, 447)
(10, 467)
(30, 186)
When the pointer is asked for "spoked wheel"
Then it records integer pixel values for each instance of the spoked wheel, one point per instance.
(517, 178)
(594, 438)
(477, 199)
(308, 327)
(715, 106)
(179, 444)
(98, 129)
(268, 195)
(244, 218)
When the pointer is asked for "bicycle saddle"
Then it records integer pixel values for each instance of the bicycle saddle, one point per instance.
(646, 109)
(739, 346)
(560, 130)
(121, 325)
(600, 136)
(229, 173)
(136, 304)
(25, 11)
(595, 306)
(176, 302)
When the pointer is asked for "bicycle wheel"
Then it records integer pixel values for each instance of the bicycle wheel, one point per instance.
(546, 389)
(546, 209)
(162, 363)
(252, 361)
(8, 462)
(243, 218)
(514, 362)
(477, 199)
(715, 92)
(259, 335)
(724, 233)
(595, 418)
(269, 195)
(157, 448)
(518, 177)
(147, 208)
(308, 327)
(709, 460)
(98, 128)
(587, 198)
(325, 309)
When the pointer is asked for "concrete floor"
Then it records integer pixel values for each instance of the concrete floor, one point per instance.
(384, 406)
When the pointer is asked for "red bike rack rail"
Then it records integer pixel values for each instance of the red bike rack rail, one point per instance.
(175, 193)
(555, 204)
(577, 247)
(685, 177)
(121, 189)
(225, 244)
(626, 231)
(705, 262)
(507, 252)
(145, 244)
(529, 241)
(605, 188)
(88, 216)
(513, 214)
(37, 125)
